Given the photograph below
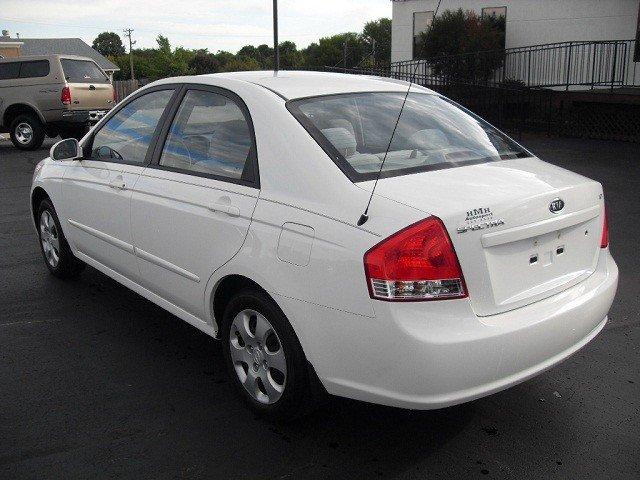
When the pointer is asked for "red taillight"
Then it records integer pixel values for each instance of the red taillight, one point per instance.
(604, 241)
(417, 263)
(65, 97)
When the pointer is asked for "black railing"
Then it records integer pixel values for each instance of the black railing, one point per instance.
(568, 65)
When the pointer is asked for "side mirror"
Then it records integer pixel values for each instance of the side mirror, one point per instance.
(68, 149)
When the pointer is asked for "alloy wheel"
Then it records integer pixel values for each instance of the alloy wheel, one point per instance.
(49, 238)
(24, 133)
(258, 357)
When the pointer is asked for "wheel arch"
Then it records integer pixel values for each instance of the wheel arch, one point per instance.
(224, 291)
(37, 195)
(12, 111)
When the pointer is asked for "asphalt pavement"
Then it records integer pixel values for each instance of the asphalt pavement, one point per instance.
(96, 382)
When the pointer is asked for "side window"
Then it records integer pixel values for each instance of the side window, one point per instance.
(9, 70)
(126, 136)
(210, 135)
(35, 69)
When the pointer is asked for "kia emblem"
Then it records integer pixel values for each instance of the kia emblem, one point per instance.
(556, 205)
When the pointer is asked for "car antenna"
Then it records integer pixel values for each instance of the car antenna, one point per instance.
(365, 215)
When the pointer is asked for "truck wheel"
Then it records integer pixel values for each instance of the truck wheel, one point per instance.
(27, 132)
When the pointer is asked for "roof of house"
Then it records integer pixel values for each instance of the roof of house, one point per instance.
(65, 46)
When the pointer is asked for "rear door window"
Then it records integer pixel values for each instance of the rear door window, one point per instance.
(210, 136)
(82, 71)
(35, 69)
(9, 70)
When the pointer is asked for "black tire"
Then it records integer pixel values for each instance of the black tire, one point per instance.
(292, 402)
(36, 137)
(67, 265)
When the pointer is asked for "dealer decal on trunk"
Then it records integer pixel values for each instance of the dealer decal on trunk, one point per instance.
(479, 219)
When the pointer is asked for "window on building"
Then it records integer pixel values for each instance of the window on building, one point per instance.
(498, 16)
(421, 22)
(495, 12)
(636, 54)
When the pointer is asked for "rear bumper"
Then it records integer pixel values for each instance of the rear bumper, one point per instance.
(83, 116)
(437, 354)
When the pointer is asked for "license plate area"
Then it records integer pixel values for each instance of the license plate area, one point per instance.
(533, 268)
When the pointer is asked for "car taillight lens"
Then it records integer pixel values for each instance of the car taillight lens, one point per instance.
(604, 241)
(417, 263)
(65, 97)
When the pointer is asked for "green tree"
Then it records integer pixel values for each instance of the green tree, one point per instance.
(290, 57)
(204, 62)
(380, 31)
(240, 64)
(108, 44)
(452, 43)
(329, 51)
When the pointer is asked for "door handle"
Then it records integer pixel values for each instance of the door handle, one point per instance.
(118, 183)
(225, 208)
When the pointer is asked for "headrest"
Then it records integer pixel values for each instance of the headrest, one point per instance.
(428, 139)
(340, 138)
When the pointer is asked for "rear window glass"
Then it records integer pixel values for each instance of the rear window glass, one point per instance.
(82, 71)
(35, 69)
(9, 70)
(432, 134)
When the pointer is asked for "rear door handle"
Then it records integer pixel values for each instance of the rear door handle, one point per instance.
(118, 183)
(225, 208)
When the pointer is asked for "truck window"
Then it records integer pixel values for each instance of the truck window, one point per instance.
(9, 70)
(35, 69)
(82, 71)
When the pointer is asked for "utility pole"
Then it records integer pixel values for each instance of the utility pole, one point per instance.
(344, 53)
(276, 45)
(127, 33)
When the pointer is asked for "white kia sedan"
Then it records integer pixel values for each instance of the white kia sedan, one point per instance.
(334, 230)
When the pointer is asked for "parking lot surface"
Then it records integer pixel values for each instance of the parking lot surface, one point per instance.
(96, 382)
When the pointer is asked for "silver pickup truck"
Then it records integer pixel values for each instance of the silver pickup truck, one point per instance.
(51, 95)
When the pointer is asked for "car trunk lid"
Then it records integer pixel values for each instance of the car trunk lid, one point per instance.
(523, 229)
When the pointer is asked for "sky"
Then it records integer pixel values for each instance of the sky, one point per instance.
(212, 24)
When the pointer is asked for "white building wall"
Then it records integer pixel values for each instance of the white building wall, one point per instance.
(529, 22)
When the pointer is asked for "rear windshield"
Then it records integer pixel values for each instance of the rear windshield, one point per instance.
(433, 133)
(82, 71)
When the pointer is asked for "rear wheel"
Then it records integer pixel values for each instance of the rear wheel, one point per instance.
(264, 358)
(27, 132)
(54, 246)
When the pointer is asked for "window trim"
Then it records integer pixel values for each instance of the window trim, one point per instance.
(351, 173)
(168, 122)
(87, 147)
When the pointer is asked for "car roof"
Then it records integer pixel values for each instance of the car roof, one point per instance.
(290, 84)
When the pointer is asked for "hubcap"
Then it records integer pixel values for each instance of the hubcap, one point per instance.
(24, 133)
(258, 357)
(49, 238)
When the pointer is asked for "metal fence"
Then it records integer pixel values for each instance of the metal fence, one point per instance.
(567, 65)
(516, 108)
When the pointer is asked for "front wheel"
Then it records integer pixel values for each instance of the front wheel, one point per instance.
(54, 246)
(264, 358)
